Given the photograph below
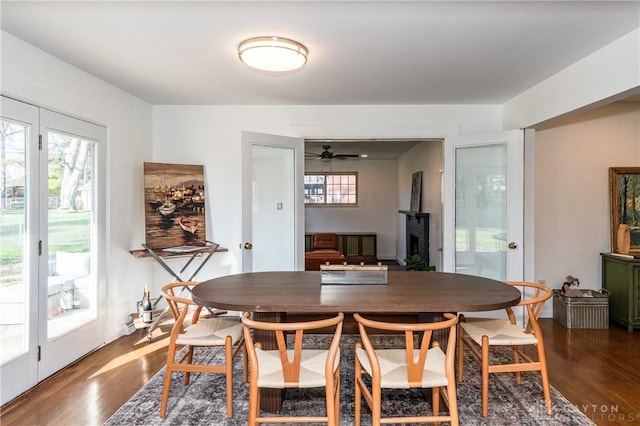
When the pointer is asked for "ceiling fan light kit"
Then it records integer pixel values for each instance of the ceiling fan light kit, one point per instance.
(273, 54)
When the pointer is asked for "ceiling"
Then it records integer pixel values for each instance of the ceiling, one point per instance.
(361, 52)
(374, 149)
(383, 149)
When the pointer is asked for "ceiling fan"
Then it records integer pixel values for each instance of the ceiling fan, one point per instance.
(327, 155)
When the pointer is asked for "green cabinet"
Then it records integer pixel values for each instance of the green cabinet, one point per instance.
(621, 276)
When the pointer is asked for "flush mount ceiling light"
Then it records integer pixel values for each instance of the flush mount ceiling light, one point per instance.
(275, 54)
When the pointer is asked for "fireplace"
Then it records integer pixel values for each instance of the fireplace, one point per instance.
(417, 234)
(414, 245)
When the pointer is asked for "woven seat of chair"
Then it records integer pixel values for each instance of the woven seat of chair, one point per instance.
(393, 367)
(211, 332)
(312, 365)
(499, 332)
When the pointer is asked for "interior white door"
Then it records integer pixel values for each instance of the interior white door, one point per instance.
(18, 248)
(72, 234)
(484, 205)
(272, 203)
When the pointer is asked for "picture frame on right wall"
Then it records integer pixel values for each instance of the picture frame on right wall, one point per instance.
(624, 190)
(416, 192)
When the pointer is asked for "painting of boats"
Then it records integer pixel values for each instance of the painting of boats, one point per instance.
(174, 205)
(167, 208)
(188, 224)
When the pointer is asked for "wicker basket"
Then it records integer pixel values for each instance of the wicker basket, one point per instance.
(591, 311)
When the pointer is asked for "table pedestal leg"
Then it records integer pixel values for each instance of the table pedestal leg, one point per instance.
(270, 399)
(441, 336)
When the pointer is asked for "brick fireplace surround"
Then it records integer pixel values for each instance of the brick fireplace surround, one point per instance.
(417, 234)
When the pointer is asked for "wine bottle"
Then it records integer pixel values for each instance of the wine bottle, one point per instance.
(140, 304)
(147, 306)
(144, 296)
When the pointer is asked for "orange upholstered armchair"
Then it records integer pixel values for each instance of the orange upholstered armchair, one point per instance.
(324, 248)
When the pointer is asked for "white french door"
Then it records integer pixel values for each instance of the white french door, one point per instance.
(483, 205)
(272, 208)
(52, 243)
(72, 234)
(18, 248)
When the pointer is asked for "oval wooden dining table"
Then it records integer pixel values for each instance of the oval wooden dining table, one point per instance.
(273, 295)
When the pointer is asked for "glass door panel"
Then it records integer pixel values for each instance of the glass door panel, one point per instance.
(481, 201)
(72, 229)
(71, 295)
(18, 248)
(483, 205)
(14, 288)
(273, 208)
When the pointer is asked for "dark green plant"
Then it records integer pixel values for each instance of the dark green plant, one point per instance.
(416, 263)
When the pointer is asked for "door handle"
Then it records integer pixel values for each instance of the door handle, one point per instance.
(512, 245)
(248, 246)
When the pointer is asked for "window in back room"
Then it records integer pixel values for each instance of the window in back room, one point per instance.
(331, 188)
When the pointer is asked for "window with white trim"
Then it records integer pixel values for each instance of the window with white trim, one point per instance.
(331, 188)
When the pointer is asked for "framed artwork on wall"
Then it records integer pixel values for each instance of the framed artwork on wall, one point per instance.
(416, 192)
(174, 210)
(624, 192)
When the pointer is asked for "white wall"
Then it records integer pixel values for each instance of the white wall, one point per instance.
(32, 75)
(572, 159)
(425, 157)
(376, 203)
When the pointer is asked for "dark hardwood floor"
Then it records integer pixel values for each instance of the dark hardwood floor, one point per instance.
(597, 370)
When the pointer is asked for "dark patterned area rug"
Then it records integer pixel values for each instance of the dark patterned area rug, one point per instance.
(203, 401)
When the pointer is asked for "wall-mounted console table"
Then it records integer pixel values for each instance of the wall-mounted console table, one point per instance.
(191, 253)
